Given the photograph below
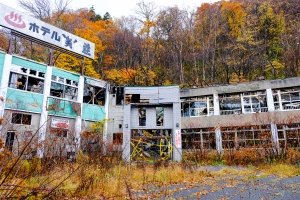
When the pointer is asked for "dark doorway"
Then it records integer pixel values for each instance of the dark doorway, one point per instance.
(9, 142)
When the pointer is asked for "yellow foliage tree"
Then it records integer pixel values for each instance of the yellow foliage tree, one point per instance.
(234, 15)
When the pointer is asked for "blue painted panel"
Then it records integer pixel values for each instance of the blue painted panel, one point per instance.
(93, 112)
(64, 74)
(2, 57)
(63, 108)
(29, 64)
(22, 100)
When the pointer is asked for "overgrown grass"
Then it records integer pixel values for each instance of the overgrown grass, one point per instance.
(108, 177)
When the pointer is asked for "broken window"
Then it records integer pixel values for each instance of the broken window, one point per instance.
(63, 88)
(289, 135)
(228, 137)
(118, 138)
(253, 136)
(208, 138)
(159, 116)
(94, 95)
(197, 106)
(142, 116)
(119, 94)
(230, 104)
(31, 82)
(255, 102)
(35, 85)
(132, 98)
(199, 139)
(57, 90)
(191, 139)
(9, 142)
(20, 118)
(289, 98)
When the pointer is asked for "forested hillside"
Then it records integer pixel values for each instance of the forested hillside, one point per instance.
(219, 43)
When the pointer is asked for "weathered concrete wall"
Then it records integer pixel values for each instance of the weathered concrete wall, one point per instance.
(280, 117)
(151, 118)
(58, 146)
(23, 133)
(115, 119)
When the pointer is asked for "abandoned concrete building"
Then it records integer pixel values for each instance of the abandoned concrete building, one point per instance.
(55, 104)
(246, 115)
(54, 109)
(143, 123)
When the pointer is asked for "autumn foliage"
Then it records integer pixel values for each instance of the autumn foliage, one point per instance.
(223, 42)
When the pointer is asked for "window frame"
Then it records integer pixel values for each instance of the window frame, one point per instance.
(187, 111)
(27, 72)
(21, 119)
(63, 81)
(250, 95)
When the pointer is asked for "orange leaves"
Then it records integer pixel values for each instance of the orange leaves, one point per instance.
(129, 76)
(98, 32)
(121, 77)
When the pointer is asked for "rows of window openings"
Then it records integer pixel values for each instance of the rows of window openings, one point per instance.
(242, 137)
(246, 137)
(32, 80)
(247, 102)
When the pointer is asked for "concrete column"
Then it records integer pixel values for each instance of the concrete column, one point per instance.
(4, 83)
(218, 140)
(126, 133)
(275, 140)
(208, 107)
(242, 103)
(270, 100)
(176, 135)
(279, 100)
(106, 107)
(216, 104)
(78, 122)
(44, 113)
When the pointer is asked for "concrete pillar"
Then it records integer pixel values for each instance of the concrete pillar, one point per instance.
(126, 133)
(176, 137)
(216, 104)
(44, 113)
(279, 100)
(270, 100)
(242, 103)
(208, 106)
(218, 140)
(78, 122)
(274, 132)
(4, 83)
(106, 107)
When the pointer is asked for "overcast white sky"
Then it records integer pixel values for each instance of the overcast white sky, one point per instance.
(118, 8)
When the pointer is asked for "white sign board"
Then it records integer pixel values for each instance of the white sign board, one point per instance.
(98, 83)
(178, 139)
(18, 21)
(60, 123)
